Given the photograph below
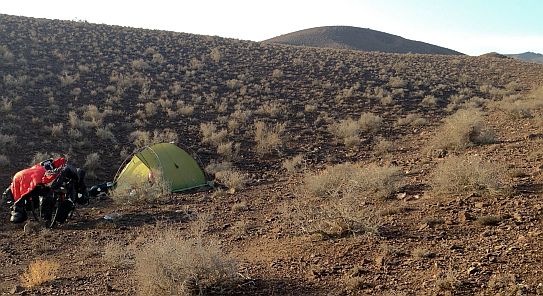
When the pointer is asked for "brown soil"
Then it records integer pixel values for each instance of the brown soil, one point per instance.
(430, 246)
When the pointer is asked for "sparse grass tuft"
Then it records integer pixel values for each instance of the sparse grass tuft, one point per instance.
(268, 138)
(168, 263)
(117, 255)
(39, 272)
(294, 165)
(463, 174)
(462, 129)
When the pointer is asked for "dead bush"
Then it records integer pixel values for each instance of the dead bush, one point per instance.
(39, 272)
(168, 263)
(268, 138)
(429, 101)
(370, 122)
(210, 135)
(7, 141)
(141, 193)
(346, 130)
(464, 174)
(4, 161)
(294, 165)
(369, 181)
(462, 129)
(232, 178)
(117, 255)
(332, 218)
(92, 162)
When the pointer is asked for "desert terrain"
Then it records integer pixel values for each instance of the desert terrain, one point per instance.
(344, 172)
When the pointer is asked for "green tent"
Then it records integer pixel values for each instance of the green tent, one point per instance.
(177, 167)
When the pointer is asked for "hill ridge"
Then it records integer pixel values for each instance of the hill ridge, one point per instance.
(363, 39)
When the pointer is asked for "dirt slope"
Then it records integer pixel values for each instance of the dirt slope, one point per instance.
(153, 81)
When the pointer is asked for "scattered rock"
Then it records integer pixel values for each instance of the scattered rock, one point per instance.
(16, 289)
(464, 217)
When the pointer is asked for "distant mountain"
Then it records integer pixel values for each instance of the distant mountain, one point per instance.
(358, 39)
(528, 56)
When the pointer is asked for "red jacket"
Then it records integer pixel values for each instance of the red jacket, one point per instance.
(26, 180)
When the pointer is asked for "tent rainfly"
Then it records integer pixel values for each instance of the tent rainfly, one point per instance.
(177, 167)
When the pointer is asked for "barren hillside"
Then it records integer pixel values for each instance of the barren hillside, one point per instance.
(344, 37)
(348, 172)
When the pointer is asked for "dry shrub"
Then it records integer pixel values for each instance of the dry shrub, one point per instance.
(4, 161)
(228, 150)
(145, 138)
(210, 135)
(462, 129)
(7, 141)
(143, 193)
(370, 181)
(411, 119)
(339, 197)
(232, 178)
(56, 130)
(92, 162)
(270, 108)
(168, 263)
(337, 217)
(489, 220)
(503, 284)
(105, 133)
(39, 272)
(117, 255)
(465, 174)
(429, 101)
(520, 106)
(346, 130)
(370, 122)
(214, 167)
(448, 281)
(268, 138)
(294, 165)
(383, 147)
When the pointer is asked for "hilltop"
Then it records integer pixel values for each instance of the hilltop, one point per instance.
(345, 37)
(528, 56)
(347, 172)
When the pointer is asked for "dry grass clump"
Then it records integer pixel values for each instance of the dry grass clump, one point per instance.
(210, 134)
(4, 161)
(145, 138)
(232, 178)
(464, 174)
(117, 255)
(370, 181)
(489, 220)
(7, 141)
(504, 284)
(268, 138)
(347, 130)
(227, 174)
(370, 122)
(39, 272)
(335, 217)
(168, 263)
(411, 119)
(340, 196)
(462, 129)
(520, 106)
(294, 165)
(92, 162)
(447, 281)
(146, 192)
(429, 101)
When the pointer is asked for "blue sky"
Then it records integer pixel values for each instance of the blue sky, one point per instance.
(472, 27)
